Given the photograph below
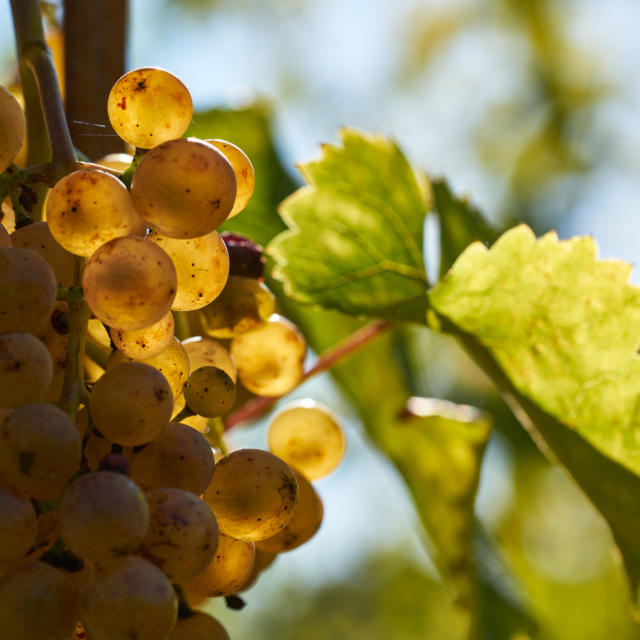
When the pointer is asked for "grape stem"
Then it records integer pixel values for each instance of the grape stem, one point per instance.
(358, 339)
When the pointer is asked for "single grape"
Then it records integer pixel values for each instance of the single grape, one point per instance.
(204, 351)
(148, 106)
(228, 572)
(37, 602)
(118, 161)
(210, 392)
(244, 305)
(39, 450)
(103, 515)
(264, 559)
(202, 265)
(18, 525)
(245, 176)
(179, 457)
(28, 290)
(270, 359)
(184, 188)
(199, 626)
(25, 369)
(130, 598)
(131, 404)
(13, 128)
(129, 283)
(253, 494)
(140, 344)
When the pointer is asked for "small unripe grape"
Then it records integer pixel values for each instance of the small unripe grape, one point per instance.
(210, 392)
(199, 626)
(13, 128)
(140, 344)
(148, 106)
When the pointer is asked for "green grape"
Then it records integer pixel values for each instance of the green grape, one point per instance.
(199, 626)
(13, 128)
(129, 283)
(304, 524)
(25, 369)
(253, 494)
(38, 238)
(103, 515)
(210, 392)
(204, 351)
(40, 450)
(37, 602)
(202, 265)
(118, 161)
(179, 457)
(183, 533)
(131, 404)
(18, 525)
(228, 572)
(306, 436)
(88, 208)
(148, 106)
(244, 305)
(28, 290)
(5, 238)
(270, 360)
(140, 344)
(184, 188)
(130, 598)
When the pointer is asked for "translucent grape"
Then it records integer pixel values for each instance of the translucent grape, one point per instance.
(103, 515)
(253, 494)
(25, 369)
(179, 457)
(18, 525)
(37, 602)
(183, 534)
(28, 290)
(184, 188)
(97, 332)
(202, 265)
(86, 209)
(245, 176)
(118, 161)
(129, 283)
(307, 436)
(264, 559)
(270, 360)
(40, 450)
(148, 106)
(13, 128)
(128, 599)
(199, 626)
(304, 524)
(140, 344)
(228, 572)
(131, 404)
(244, 305)
(210, 392)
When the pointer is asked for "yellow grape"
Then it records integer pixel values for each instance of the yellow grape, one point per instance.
(202, 265)
(253, 494)
(131, 404)
(118, 161)
(18, 525)
(25, 369)
(37, 602)
(130, 598)
(28, 290)
(179, 457)
(183, 533)
(228, 572)
(307, 436)
(210, 392)
(204, 351)
(103, 515)
(184, 188)
(140, 344)
(244, 305)
(88, 208)
(98, 333)
(199, 626)
(304, 524)
(148, 106)
(129, 283)
(245, 175)
(13, 128)
(40, 450)
(270, 359)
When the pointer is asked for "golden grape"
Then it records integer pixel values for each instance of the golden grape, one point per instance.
(199, 626)
(210, 392)
(118, 161)
(13, 128)
(140, 344)
(204, 351)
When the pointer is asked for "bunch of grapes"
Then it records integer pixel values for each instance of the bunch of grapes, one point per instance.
(121, 511)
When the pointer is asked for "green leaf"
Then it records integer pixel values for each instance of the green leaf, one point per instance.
(557, 330)
(355, 232)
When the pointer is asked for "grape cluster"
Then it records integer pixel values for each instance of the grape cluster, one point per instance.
(120, 513)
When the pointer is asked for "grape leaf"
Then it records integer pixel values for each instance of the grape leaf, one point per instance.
(355, 232)
(557, 330)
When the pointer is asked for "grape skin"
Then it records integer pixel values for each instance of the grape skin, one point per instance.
(13, 128)
(204, 351)
(199, 626)
(140, 344)
(210, 392)
(18, 525)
